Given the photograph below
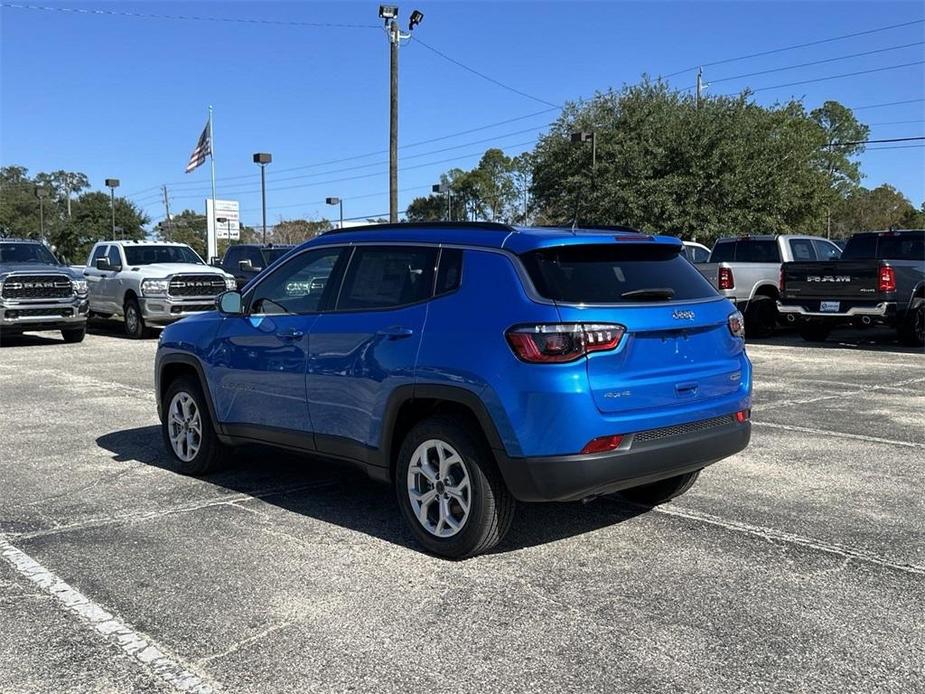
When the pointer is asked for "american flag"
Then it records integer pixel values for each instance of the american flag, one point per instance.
(201, 151)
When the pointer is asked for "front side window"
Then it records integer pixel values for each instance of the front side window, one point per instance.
(149, 254)
(114, 257)
(381, 277)
(609, 274)
(271, 255)
(98, 253)
(299, 286)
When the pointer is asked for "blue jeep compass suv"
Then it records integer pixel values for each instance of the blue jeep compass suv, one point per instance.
(469, 365)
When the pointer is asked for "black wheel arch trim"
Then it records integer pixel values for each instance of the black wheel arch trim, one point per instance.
(186, 360)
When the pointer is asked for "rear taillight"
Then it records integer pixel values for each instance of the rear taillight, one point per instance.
(602, 444)
(886, 279)
(780, 281)
(724, 278)
(562, 342)
(737, 324)
(743, 416)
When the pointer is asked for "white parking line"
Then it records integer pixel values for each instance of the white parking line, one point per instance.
(838, 434)
(138, 647)
(789, 538)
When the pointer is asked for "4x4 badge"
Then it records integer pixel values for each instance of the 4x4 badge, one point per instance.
(683, 315)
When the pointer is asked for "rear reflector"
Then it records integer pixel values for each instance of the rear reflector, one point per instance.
(602, 444)
(886, 279)
(555, 343)
(724, 278)
(743, 416)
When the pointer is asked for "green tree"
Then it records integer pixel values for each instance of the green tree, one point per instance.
(873, 210)
(668, 166)
(91, 221)
(840, 127)
(187, 227)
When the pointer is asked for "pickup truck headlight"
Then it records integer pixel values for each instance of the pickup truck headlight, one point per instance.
(230, 284)
(80, 287)
(154, 287)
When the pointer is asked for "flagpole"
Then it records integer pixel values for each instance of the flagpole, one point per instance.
(211, 242)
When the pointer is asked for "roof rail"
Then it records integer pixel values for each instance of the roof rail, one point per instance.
(420, 226)
(595, 227)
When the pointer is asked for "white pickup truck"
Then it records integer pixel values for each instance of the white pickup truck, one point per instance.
(146, 283)
(746, 270)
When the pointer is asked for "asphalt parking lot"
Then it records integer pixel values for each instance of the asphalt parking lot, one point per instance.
(797, 565)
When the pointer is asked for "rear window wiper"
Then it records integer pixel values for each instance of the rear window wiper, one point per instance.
(650, 293)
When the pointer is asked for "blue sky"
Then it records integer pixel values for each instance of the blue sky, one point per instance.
(126, 97)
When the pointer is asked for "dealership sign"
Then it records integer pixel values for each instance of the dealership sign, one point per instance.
(229, 211)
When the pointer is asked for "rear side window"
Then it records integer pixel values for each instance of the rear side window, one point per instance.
(381, 277)
(802, 249)
(614, 273)
(826, 250)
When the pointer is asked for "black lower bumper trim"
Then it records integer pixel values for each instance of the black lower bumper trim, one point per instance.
(568, 478)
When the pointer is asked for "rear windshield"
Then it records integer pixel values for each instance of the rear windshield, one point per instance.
(746, 251)
(909, 246)
(613, 273)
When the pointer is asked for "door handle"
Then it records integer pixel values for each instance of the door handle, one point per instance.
(290, 335)
(395, 332)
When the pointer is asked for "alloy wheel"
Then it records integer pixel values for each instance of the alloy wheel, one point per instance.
(439, 488)
(184, 426)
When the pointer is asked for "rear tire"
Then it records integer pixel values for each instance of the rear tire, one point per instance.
(187, 429)
(912, 329)
(662, 491)
(760, 317)
(133, 321)
(814, 333)
(461, 506)
(73, 335)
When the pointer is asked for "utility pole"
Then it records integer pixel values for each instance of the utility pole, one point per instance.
(394, 38)
(167, 213)
(699, 85)
(112, 184)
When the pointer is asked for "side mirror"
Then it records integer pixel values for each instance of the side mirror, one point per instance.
(230, 303)
(246, 265)
(215, 261)
(103, 264)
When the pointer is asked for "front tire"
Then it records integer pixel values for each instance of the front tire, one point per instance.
(187, 429)
(72, 335)
(912, 329)
(450, 491)
(662, 491)
(133, 320)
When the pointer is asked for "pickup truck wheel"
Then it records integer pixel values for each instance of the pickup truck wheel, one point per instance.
(664, 490)
(760, 317)
(187, 429)
(814, 333)
(134, 322)
(450, 491)
(912, 329)
(74, 335)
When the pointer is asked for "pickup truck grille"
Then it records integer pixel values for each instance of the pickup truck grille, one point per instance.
(37, 287)
(196, 285)
(680, 429)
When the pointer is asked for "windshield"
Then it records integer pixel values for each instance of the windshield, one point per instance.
(602, 274)
(148, 255)
(26, 253)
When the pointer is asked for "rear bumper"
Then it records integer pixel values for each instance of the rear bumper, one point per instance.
(881, 312)
(636, 462)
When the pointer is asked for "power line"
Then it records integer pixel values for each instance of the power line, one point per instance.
(874, 149)
(795, 46)
(864, 142)
(483, 75)
(192, 18)
(832, 77)
(811, 63)
(887, 103)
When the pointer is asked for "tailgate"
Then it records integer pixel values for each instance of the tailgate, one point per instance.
(671, 355)
(835, 279)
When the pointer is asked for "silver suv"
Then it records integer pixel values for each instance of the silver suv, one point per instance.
(146, 283)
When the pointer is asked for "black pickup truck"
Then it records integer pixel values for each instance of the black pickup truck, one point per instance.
(879, 280)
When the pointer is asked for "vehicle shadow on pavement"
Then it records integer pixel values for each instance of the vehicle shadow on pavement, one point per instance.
(31, 340)
(868, 339)
(341, 494)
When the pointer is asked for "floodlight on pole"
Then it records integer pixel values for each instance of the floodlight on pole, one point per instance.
(444, 188)
(263, 158)
(112, 184)
(337, 201)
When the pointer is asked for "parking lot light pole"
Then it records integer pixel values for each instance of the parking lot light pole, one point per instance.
(263, 158)
(444, 188)
(41, 193)
(337, 201)
(112, 184)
